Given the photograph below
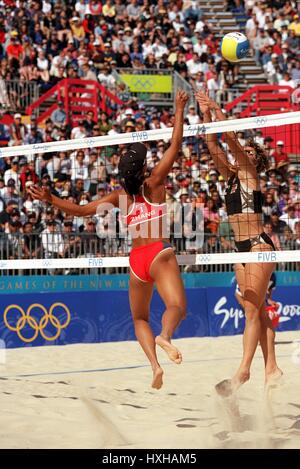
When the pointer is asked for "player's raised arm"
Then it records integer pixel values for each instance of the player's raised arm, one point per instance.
(230, 137)
(215, 150)
(44, 194)
(162, 169)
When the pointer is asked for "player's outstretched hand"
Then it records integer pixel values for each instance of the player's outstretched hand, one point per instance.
(181, 99)
(41, 193)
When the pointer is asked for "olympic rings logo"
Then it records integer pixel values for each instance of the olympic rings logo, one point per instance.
(204, 258)
(37, 326)
(260, 120)
(145, 84)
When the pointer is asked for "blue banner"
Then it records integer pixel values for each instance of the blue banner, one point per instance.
(74, 283)
(226, 317)
(99, 316)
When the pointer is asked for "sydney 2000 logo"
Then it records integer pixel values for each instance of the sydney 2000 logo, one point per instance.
(16, 320)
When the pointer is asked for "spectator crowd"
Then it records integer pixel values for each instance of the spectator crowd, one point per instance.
(45, 41)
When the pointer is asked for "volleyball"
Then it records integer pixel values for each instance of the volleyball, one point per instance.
(234, 46)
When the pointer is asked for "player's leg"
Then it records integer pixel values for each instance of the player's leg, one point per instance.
(257, 278)
(140, 294)
(166, 274)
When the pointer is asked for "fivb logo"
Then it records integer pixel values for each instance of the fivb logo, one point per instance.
(140, 136)
(2, 352)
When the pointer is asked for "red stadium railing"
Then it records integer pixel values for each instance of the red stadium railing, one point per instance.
(262, 100)
(79, 97)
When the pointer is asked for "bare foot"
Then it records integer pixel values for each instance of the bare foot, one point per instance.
(224, 388)
(274, 377)
(172, 352)
(228, 386)
(157, 381)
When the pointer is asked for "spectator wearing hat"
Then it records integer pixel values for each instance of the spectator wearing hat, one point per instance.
(128, 115)
(192, 115)
(295, 25)
(293, 172)
(77, 29)
(59, 116)
(129, 126)
(13, 173)
(277, 223)
(279, 155)
(18, 131)
(15, 50)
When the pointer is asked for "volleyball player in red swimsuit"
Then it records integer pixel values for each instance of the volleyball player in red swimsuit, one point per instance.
(152, 259)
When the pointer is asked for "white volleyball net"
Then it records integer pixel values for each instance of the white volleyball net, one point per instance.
(37, 238)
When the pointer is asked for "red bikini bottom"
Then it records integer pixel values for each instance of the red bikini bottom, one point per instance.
(141, 258)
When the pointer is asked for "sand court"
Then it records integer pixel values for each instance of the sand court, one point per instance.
(99, 396)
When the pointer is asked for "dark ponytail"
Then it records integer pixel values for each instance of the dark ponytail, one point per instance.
(132, 183)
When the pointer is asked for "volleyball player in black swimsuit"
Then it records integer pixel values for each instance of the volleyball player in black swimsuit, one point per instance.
(243, 200)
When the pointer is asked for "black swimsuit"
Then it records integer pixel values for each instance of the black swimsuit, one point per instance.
(239, 199)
